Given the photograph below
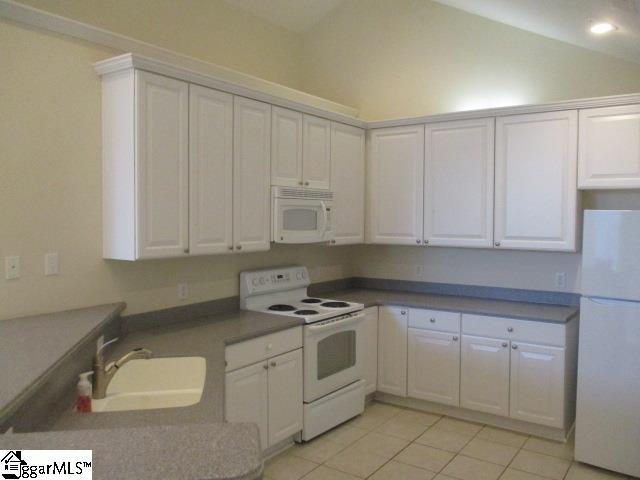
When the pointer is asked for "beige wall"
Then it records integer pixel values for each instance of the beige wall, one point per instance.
(504, 268)
(50, 183)
(50, 194)
(415, 57)
(211, 30)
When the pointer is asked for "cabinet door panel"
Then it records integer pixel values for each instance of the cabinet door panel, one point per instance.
(162, 159)
(392, 350)
(537, 384)
(246, 398)
(251, 175)
(370, 356)
(458, 183)
(484, 384)
(210, 171)
(395, 179)
(285, 396)
(434, 366)
(609, 150)
(347, 183)
(535, 190)
(286, 147)
(316, 157)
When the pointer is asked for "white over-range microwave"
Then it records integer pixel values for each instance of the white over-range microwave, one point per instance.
(301, 215)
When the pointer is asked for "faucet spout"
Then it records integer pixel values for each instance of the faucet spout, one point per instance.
(102, 375)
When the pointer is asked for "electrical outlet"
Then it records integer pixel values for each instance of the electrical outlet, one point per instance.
(183, 291)
(51, 264)
(561, 280)
(11, 268)
(419, 271)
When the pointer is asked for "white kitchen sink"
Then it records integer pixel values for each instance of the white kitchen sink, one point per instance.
(154, 383)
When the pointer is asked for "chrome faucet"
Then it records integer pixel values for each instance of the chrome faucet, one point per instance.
(103, 374)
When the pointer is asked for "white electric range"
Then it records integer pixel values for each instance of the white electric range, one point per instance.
(333, 339)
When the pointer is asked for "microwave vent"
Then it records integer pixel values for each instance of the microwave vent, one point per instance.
(287, 192)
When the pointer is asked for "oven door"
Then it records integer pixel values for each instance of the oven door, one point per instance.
(332, 356)
(301, 221)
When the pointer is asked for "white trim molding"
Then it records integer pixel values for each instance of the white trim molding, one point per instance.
(578, 104)
(131, 60)
(146, 56)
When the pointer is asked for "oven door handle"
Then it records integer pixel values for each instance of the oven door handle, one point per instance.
(347, 321)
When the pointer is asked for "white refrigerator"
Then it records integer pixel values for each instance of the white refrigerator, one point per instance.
(608, 401)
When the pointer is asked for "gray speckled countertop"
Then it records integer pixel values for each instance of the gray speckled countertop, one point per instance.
(31, 346)
(141, 444)
(212, 451)
(479, 306)
(206, 337)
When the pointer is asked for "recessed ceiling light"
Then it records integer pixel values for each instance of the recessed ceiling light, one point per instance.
(600, 28)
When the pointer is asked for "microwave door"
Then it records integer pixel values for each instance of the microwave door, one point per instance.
(299, 222)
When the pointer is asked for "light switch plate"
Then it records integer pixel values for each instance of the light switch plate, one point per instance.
(183, 291)
(11, 268)
(51, 264)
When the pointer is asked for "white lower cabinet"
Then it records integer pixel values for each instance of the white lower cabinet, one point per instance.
(537, 384)
(392, 350)
(268, 392)
(433, 371)
(370, 353)
(484, 384)
(247, 398)
(285, 396)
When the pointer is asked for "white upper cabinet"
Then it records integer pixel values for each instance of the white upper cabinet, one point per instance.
(300, 150)
(395, 185)
(458, 183)
(210, 171)
(347, 183)
(609, 150)
(286, 147)
(251, 175)
(316, 152)
(162, 165)
(535, 181)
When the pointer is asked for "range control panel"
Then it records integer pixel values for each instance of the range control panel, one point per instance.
(259, 282)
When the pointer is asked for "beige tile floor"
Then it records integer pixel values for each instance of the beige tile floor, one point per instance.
(391, 443)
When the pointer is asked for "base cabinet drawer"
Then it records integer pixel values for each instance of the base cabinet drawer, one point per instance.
(252, 351)
(513, 329)
(269, 394)
(433, 371)
(434, 320)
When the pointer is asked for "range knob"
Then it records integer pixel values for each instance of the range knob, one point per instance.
(262, 280)
(304, 274)
(299, 276)
(255, 282)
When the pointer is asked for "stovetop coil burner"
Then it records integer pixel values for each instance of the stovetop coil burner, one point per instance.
(306, 312)
(282, 308)
(334, 304)
(311, 300)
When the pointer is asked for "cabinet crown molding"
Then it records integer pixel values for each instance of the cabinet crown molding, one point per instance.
(129, 61)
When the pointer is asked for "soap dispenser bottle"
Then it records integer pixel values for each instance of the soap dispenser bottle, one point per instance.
(83, 401)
